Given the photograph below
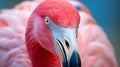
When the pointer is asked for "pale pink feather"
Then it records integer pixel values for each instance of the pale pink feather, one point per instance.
(95, 48)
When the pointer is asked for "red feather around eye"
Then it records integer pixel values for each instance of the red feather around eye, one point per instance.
(61, 12)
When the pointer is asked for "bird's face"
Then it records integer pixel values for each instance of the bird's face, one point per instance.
(65, 43)
(62, 20)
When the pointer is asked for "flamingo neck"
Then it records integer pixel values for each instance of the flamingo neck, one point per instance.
(40, 57)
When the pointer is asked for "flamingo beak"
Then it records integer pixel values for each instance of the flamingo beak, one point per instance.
(65, 44)
(66, 48)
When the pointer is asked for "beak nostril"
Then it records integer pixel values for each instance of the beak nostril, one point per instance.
(67, 44)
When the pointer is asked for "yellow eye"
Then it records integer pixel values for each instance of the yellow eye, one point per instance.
(47, 21)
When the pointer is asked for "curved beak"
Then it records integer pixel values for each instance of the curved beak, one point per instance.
(66, 47)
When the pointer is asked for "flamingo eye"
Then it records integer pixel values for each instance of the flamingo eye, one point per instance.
(47, 21)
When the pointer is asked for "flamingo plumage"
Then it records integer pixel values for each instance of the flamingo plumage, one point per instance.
(94, 48)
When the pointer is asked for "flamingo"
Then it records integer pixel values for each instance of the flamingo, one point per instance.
(57, 35)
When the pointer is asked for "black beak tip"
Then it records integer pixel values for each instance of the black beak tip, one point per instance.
(75, 60)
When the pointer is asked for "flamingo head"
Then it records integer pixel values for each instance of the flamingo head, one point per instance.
(54, 25)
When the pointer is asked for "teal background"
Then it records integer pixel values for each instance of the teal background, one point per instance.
(106, 13)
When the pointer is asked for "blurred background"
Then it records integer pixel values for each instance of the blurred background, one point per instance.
(106, 13)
